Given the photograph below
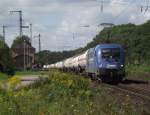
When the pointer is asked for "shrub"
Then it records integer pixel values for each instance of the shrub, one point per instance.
(6, 60)
(65, 94)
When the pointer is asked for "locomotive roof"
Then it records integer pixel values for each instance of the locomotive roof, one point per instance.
(109, 46)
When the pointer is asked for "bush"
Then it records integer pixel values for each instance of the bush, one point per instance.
(65, 94)
(6, 60)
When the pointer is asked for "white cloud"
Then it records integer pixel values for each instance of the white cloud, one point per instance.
(57, 20)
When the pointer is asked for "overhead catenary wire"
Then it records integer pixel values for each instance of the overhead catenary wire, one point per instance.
(122, 3)
(20, 20)
(123, 11)
(114, 3)
(127, 6)
(147, 6)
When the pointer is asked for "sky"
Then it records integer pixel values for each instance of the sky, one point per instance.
(68, 24)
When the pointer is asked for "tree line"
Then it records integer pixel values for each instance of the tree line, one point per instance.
(134, 38)
(6, 60)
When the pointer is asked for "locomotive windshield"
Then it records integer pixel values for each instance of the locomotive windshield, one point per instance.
(111, 53)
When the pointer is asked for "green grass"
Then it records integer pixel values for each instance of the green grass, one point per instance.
(138, 68)
(3, 76)
(140, 72)
(20, 73)
(66, 94)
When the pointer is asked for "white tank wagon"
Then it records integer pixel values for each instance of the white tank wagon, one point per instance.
(51, 66)
(45, 67)
(59, 65)
(82, 61)
(68, 64)
(75, 62)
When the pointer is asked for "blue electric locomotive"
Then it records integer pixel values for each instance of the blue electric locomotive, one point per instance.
(106, 61)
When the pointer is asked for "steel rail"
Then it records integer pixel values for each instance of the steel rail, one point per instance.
(129, 91)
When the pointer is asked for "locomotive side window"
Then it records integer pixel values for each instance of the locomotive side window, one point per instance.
(111, 53)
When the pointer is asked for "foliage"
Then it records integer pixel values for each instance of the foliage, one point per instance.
(22, 73)
(20, 40)
(134, 38)
(3, 76)
(6, 60)
(13, 82)
(48, 57)
(137, 72)
(142, 68)
(65, 94)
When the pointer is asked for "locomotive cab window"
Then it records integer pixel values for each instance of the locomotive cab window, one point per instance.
(111, 53)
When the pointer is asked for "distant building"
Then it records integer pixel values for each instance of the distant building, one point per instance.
(23, 55)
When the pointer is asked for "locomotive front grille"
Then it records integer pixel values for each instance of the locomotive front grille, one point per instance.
(111, 72)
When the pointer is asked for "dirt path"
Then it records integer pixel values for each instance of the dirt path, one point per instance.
(29, 80)
(26, 81)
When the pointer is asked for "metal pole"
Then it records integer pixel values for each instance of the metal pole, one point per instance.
(27, 60)
(4, 33)
(20, 15)
(102, 7)
(39, 43)
(73, 39)
(73, 35)
(31, 34)
(24, 57)
(30, 61)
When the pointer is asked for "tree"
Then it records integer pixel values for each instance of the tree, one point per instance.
(20, 40)
(6, 60)
(134, 38)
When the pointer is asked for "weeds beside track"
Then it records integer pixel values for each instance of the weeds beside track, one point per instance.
(140, 93)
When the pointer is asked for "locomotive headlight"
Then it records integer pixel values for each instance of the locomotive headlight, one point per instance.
(122, 65)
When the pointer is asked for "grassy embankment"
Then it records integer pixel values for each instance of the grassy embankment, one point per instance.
(138, 72)
(3, 76)
(133, 72)
(65, 94)
(20, 73)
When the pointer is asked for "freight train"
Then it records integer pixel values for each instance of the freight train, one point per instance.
(104, 61)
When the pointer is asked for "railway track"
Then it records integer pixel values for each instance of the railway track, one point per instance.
(139, 92)
(136, 92)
